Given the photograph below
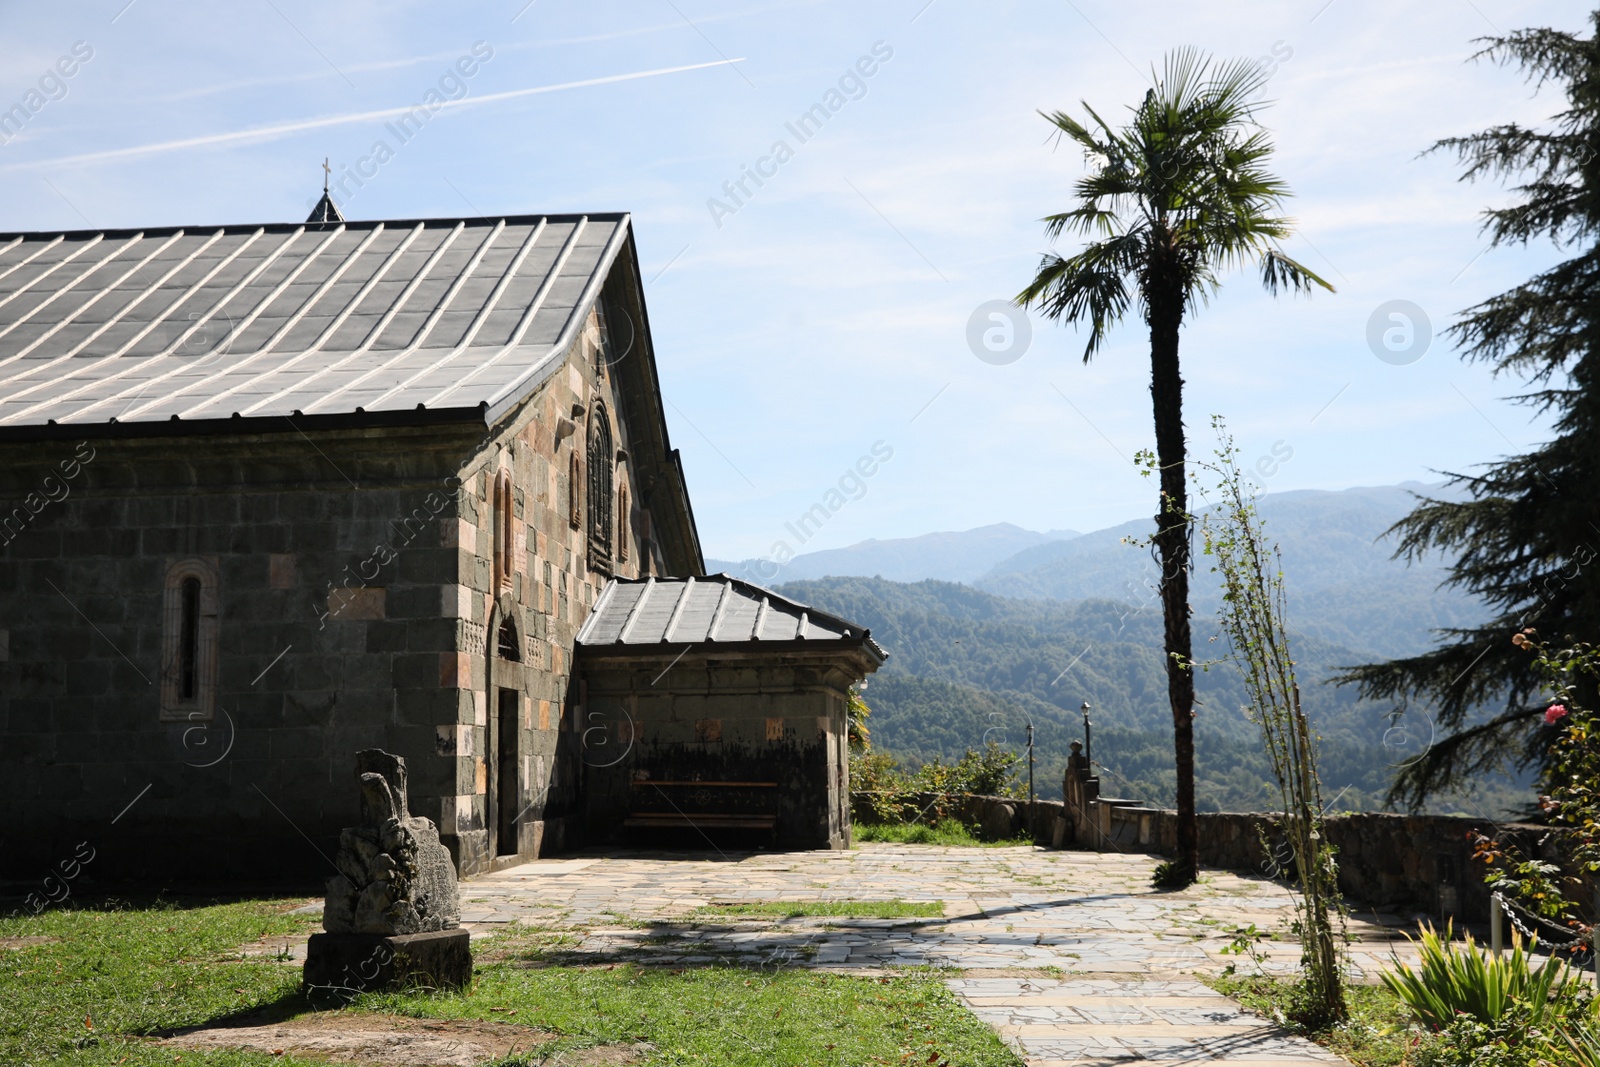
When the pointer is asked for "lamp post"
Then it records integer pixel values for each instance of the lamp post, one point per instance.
(1088, 743)
(1032, 830)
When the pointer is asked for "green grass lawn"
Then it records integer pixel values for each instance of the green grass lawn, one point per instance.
(118, 970)
(1375, 1035)
(114, 971)
(948, 832)
(846, 909)
(729, 1015)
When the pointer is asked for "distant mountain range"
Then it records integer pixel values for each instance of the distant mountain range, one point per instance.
(949, 557)
(1345, 587)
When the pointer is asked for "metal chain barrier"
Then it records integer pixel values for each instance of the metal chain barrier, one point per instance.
(1579, 946)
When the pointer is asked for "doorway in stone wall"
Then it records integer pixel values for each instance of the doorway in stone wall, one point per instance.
(507, 805)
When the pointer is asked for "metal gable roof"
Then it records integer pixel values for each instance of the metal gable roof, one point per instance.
(211, 322)
(716, 609)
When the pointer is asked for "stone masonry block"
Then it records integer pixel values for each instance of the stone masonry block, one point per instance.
(427, 707)
(257, 509)
(281, 571)
(434, 566)
(415, 670)
(367, 706)
(453, 739)
(366, 671)
(77, 544)
(458, 533)
(308, 707)
(357, 604)
(413, 602)
(304, 743)
(436, 634)
(455, 670)
(456, 601)
(389, 635)
(314, 672)
(298, 508)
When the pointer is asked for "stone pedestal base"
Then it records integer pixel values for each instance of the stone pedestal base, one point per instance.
(361, 963)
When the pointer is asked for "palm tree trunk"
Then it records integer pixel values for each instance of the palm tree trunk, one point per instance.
(1172, 545)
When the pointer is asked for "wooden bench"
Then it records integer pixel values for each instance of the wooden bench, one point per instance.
(700, 820)
(680, 819)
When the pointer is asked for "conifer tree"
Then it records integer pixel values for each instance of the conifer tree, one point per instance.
(1527, 537)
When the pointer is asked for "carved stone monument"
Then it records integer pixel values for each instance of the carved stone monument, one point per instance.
(392, 915)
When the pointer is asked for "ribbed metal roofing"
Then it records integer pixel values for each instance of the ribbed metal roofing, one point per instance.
(206, 322)
(716, 609)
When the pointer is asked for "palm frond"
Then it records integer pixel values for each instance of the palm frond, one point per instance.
(1090, 285)
(1278, 272)
(1075, 130)
(1184, 183)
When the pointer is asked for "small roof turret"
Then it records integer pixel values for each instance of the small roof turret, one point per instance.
(326, 210)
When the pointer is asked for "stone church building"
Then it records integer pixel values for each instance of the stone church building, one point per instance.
(273, 494)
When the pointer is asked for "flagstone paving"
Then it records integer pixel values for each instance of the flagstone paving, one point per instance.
(1071, 956)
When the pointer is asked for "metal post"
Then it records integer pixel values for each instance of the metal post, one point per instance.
(1088, 741)
(1497, 934)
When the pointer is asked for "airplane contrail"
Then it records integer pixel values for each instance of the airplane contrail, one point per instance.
(267, 133)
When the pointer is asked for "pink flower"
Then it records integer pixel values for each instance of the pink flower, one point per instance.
(1554, 712)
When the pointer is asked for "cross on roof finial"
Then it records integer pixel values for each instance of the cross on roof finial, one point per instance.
(326, 211)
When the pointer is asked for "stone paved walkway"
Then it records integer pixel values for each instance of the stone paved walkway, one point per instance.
(1069, 955)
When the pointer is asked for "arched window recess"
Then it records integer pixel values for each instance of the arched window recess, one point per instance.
(504, 519)
(189, 625)
(601, 492)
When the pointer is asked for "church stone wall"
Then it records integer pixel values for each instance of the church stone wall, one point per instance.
(553, 586)
(332, 598)
(355, 607)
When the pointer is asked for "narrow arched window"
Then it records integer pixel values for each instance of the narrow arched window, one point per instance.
(600, 487)
(624, 524)
(504, 541)
(189, 628)
(574, 491)
(189, 639)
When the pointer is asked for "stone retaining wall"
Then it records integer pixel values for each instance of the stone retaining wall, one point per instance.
(1415, 863)
(1407, 863)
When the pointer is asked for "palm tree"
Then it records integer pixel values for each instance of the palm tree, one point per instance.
(1172, 199)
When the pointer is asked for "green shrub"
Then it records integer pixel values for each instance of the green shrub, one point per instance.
(949, 833)
(1510, 1041)
(1169, 875)
(1454, 981)
(989, 772)
(881, 789)
(1579, 1043)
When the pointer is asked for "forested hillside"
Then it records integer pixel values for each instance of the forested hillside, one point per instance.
(966, 666)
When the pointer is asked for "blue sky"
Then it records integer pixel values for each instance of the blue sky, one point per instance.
(828, 310)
